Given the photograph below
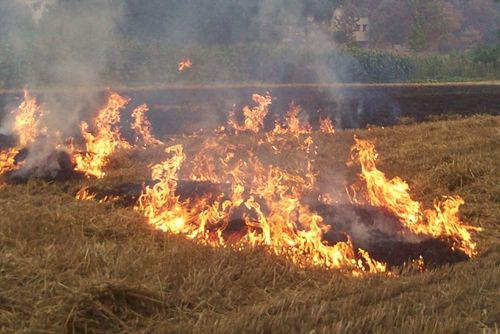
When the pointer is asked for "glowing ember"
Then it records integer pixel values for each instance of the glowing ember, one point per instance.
(83, 194)
(106, 140)
(442, 221)
(142, 126)
(184, 65)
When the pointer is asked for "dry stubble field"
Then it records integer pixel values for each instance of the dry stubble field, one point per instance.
(83, 266)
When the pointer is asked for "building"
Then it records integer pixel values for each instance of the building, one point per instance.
(357, 27)
(361, 35)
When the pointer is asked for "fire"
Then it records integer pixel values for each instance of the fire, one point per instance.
(26, 124)
(254, 117)
(265, 199)
(7, 160)
(106, 140)
(393, 195)
(142, 126)
(265, 202)
(293, 125)
(249, 203)
(27, 127)
(83, 194)
(184, 65)
(326, 126)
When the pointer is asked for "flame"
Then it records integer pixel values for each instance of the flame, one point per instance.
(273, 215)
(27, 127)
(257, 204)
(142, 126)
(293, 125)
(7, 160)
(83, 194)
(266, 200)
(26, 124)
(254, 117)
(184, 65)
(326, 126)
(393, 195)
(106, 140)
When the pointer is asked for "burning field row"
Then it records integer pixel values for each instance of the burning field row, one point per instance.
(124, 260)
(240, 187)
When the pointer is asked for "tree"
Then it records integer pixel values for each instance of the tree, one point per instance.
(390, 22)
(344, 23)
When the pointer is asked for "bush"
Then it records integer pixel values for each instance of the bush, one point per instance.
(136, 62)
(487, 54)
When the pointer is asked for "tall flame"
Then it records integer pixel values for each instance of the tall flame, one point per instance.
(393, 194)
(254, 117)
(142, 126)
(27, 127)
(106, 139)
(26, 124)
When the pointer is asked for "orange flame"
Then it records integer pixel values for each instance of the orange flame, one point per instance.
(293, 125)
(268, 200)
(83, 194)
(275, 218)
(254, 117)
(326, 126)
(27, 126)
(106, 140)
(142, 126)
(393, 194)
(7, 160)
(184, 65)
(265, 199)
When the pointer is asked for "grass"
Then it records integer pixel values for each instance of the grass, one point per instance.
(69, 266)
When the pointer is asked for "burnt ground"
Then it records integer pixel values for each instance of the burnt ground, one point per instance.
(179, 109)
(84, 266)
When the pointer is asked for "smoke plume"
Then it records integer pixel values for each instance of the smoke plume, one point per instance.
(67, 44)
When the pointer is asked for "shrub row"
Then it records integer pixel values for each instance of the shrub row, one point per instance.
(134, 62)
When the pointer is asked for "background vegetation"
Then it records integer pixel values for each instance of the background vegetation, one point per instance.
(267, 41)
(136, 62)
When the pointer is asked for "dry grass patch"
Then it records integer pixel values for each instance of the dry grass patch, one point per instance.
(86, 267)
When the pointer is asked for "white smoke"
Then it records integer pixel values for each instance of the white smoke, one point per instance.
(38, 7)
(68, 46)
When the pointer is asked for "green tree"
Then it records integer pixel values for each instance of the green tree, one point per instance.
(417, 39)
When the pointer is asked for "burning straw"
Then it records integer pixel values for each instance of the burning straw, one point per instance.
(223, 195)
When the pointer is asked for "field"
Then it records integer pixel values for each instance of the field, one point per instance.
(83, 266)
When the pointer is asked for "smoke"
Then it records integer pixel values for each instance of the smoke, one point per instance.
(37, 7)
(67, 44)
